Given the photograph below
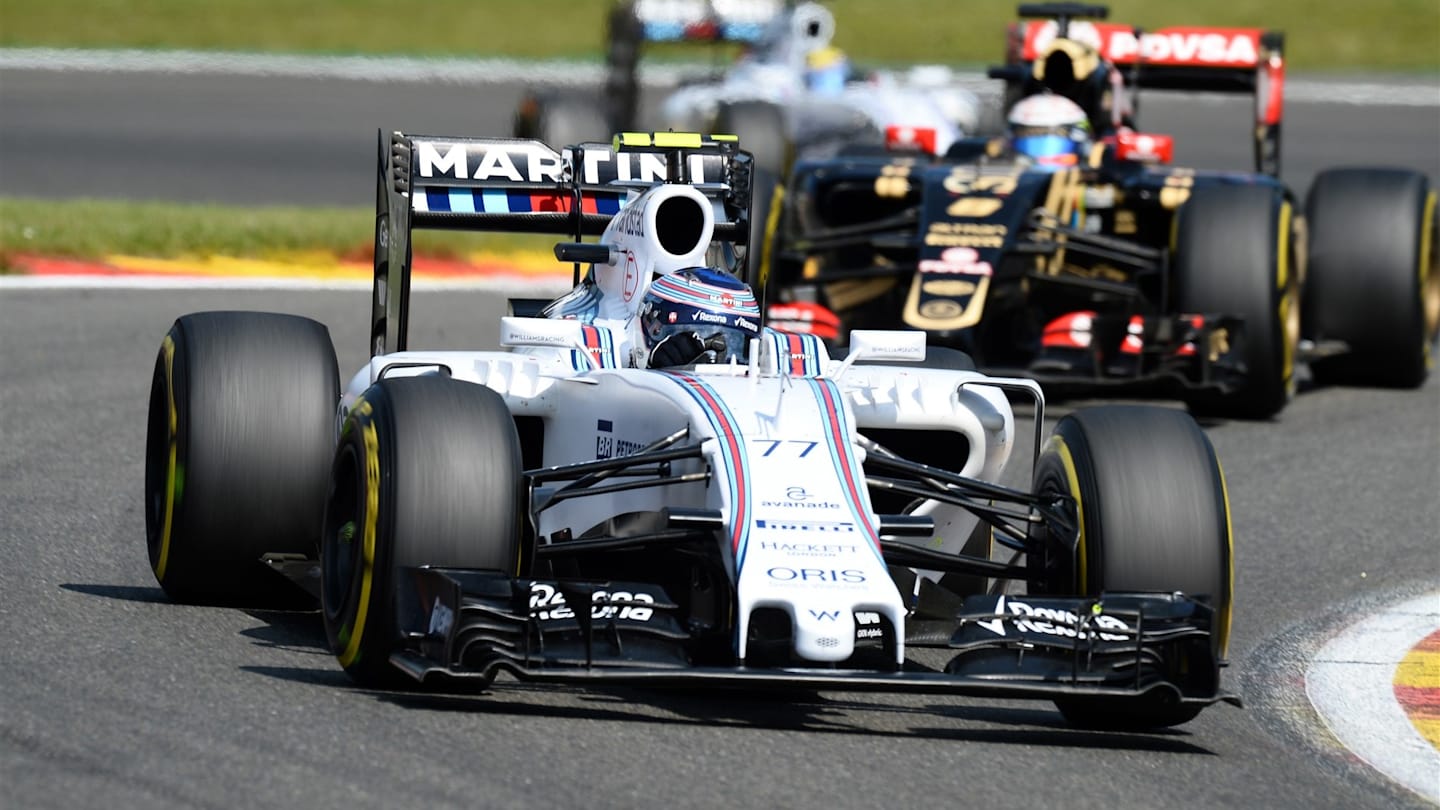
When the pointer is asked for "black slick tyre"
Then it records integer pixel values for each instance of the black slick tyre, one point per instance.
(766, 201)
(760, 126)
(240, 433)
(427, 472)
(625, 35)
(559, 121)
(1372, 281)
(1153, 516)
(1232, 257)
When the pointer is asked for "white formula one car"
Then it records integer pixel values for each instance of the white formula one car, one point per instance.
(792, 93)
(789, 519)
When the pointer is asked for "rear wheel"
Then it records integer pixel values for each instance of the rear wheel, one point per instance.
(1153, 516)
(427, 473)
(625, 36)
(1232, 257)
(760, 126)
(764, 205)
(240, 432)
(1372, 280)
(559, 121)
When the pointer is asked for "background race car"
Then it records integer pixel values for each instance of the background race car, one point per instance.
(791, 93)
(561, 511)
(1100, 267)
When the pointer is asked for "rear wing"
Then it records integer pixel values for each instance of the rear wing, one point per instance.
(634, 23)
(702, 20)
(525, 186)
(1217, 60)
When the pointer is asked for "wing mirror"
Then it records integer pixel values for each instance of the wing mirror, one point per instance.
(1143, 147)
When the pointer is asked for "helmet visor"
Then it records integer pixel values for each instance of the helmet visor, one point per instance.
(722, 343)
(1055, 150)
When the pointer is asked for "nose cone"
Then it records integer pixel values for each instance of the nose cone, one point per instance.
(824, 634)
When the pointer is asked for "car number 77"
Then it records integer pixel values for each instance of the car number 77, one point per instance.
(774, 444)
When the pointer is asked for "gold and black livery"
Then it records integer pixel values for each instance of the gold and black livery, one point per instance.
(1119, 272)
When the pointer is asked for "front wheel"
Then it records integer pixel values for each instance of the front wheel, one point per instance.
(1153, 516)
(428, 472)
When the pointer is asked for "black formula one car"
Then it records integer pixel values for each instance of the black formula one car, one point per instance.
(1120, 272)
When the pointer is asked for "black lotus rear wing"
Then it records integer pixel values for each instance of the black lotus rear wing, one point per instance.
(1191, 58)
(525, 186)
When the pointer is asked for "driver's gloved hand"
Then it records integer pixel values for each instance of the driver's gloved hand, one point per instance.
(679, 349)
(714, 349)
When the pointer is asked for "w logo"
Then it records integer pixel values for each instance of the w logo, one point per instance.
(826, 615)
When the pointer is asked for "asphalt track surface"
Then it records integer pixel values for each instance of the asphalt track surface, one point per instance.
(114, 697)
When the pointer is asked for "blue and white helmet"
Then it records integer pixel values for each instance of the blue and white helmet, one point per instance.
(703, 307)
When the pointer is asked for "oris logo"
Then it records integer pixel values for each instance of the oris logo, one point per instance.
(848, 575)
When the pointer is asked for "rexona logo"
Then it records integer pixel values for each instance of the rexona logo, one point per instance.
(1053, 622)
(548, 604)
(534, 162)
(815, 575)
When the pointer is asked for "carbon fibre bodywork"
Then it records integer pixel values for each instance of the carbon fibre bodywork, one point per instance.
(475, 625)
(990, 256)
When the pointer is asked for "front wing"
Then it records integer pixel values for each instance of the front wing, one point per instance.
(473, 625)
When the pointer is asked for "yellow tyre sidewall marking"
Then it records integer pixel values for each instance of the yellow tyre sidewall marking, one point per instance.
(167, 347)
(772, 222)
(1226, 613)
(1429, 281)
(351, 653)
(1289, 297)
(1057, 446)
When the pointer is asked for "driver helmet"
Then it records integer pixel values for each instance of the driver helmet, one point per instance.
(826, 70)
(696, 315)
(1052, 131)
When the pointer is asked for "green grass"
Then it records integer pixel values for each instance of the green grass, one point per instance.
(1321, 34)
(1333, 35)
(90, 229)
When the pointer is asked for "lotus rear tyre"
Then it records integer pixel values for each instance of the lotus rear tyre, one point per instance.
(1233, 257)
(1372, 281)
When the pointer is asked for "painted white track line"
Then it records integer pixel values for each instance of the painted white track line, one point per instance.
(511, 285)
(1420, 91)
(1351, 684)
